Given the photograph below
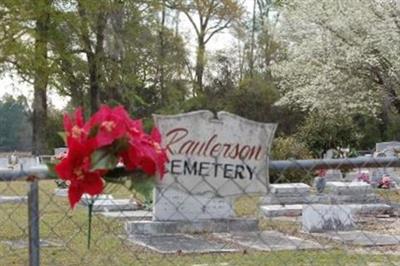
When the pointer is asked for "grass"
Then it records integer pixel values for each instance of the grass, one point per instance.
(69, 227)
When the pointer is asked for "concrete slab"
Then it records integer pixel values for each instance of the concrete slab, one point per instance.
(290, 189)
(272, 199)
(21, 243)
(282, 210)
(201, 226)
(320, 218)
(61, 192)
(268, 241)
(13, 199)
(348, 188)
(86, 198)
(179, 243)
(139, 215)
(296, 209)
(371, 209)
(362, 238)
(117, 205)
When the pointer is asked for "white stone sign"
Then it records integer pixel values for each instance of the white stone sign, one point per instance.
(212, 160)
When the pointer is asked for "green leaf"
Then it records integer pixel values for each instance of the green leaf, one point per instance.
(63, 135)
(103, 159)
(120, 145)
(93, 131)
(143, 186)
(52, 172)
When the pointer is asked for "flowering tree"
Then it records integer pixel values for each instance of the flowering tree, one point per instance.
(342, 56)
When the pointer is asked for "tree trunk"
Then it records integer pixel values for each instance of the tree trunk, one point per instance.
(95, 62)
(200, 62)
(41, 76)
(94, 90)
(252, 44)
(163, 93)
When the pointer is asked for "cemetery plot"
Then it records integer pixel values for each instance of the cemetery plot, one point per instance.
(362, 238)
(268, 241)
(358, 196)
(180, 243)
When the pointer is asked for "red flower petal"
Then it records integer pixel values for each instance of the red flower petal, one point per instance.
(75, 193)
(93, 186)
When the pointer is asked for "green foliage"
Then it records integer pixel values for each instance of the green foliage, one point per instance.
(251, 98)
(254, 99)
(15, 130)
(323, 131)
(103, 159)
(55, 131)
(289, 148)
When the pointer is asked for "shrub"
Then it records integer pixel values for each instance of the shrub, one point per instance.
(289, 148)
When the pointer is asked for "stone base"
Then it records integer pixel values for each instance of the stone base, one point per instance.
(13, 199)
(296, 209)
(139, 215)
(320, 218)
(348, 188)
(221, 242)
(268, 241)
(179, 243)
(289, 189)
(361, 238)
(115, 205)
(61, 192)
(282, 210)
(322, 199)
(191, 227)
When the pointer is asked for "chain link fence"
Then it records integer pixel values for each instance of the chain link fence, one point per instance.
(335, 221)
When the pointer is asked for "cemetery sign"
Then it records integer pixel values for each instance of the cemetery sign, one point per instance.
(212, 160)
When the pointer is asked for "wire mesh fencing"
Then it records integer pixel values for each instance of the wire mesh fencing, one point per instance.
(346, 215)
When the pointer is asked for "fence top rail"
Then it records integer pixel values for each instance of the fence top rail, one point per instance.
(41, 171)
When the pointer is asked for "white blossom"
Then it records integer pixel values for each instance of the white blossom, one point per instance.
(342, 56)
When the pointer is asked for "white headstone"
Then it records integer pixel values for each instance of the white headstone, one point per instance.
(320, 218)
(388, 148)
(212, 161)
(348, 188)
(60, 151)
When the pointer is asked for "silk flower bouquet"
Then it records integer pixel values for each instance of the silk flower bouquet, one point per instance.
(110, 138)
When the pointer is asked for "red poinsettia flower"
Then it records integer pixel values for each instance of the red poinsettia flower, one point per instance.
(75, 168)
(146, 153)
(110, 124)
(74, 126)
(110, 130)
(153, 157)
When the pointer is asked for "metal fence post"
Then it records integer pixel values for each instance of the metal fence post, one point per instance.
(33, 220)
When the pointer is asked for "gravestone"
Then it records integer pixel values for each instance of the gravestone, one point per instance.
(212, 160)
(60, 151)
(332, 174)
(388, 148)
(349, 188)
(358, 196)
(319, 218)
(287, 193)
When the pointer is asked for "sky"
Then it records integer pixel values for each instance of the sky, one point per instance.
(12, 84)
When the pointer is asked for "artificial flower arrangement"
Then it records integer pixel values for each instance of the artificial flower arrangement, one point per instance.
(110, 138)
(385, 182)
(363, 177)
